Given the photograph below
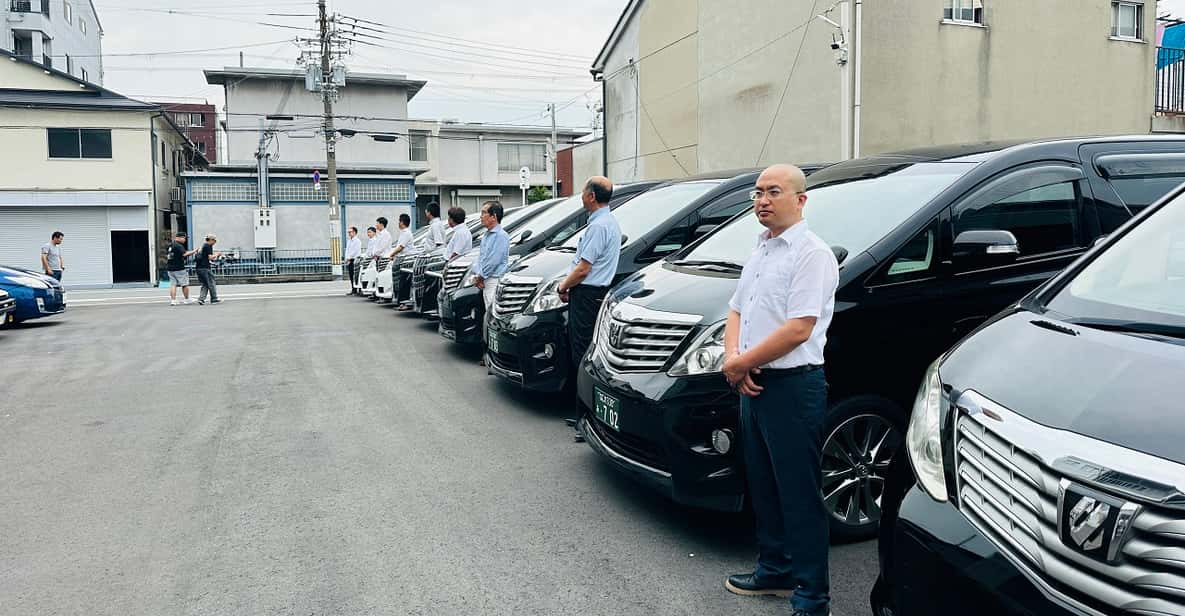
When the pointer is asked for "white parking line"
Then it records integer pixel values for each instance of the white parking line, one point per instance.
(125, 301)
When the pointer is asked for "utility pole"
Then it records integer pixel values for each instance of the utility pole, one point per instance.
(555, 156)
(328, 90)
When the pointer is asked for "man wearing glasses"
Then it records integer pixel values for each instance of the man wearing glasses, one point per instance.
(773, 341)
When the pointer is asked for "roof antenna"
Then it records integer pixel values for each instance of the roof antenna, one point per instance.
(240, 59)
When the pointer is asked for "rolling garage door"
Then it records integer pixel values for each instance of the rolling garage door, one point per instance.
(86, 249)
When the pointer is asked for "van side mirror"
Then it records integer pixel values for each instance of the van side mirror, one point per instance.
(984, 248)
(1099, 240)
(702, 230)
(624, 238)
(525, 236)
(840, 252)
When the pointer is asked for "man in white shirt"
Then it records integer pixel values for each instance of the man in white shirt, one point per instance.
(435, 225)
(382, 239)
(372, 243)
(353, 254)
(773, 343)
(462, 240)
(404, 240)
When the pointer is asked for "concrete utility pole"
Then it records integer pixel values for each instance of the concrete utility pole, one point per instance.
(327, 91)
(555, 156)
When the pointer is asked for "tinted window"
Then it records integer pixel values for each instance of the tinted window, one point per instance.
(650, 209)
(852, 205)
(914, 261)
(675, 238)
(1139, 193)
(63, 143)
(1043, 219)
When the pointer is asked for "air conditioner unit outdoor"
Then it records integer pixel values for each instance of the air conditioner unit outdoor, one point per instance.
(176, 194)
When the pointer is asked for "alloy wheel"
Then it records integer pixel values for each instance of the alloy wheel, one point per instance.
(856, 458)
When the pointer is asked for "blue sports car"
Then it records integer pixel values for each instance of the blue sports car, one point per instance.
(36, 295)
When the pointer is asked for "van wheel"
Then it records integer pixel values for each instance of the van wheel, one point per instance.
(863, 433)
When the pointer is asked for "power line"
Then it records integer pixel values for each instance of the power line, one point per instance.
(468, 61)
(449, 37)
(479, 53)
(131, 54)
(495, 52)
(301, 129)
(789, 77)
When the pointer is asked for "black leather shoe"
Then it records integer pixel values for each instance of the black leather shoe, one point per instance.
(571, 422)
(744, 584)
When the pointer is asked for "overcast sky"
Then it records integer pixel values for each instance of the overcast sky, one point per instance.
(463, 48)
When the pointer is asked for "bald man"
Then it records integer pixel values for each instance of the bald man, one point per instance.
(591, 272)
(773, 345)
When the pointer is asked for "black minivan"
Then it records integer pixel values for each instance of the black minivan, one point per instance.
(931, 244)
(1048, 448)
(460, 302)
(527, 339)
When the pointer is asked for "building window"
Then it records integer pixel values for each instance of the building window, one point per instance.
(514, 156)
(1127, 19)
(69, 65)
(164, 163)
(85, 76)
(963, 11)
(190, 119)
(68, 12)
(82, 25)
(79, 142)
(224, 191)
(417, 146)
(296, 191)
(381, 192)
(201, 146)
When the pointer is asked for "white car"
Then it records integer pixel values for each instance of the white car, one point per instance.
(367, 278)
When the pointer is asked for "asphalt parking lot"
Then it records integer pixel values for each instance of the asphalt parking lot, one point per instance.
(292, 452)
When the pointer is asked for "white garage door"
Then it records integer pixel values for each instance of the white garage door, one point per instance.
(86, 249)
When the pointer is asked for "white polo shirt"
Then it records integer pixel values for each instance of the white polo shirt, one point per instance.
(436, 232)
(791, 276)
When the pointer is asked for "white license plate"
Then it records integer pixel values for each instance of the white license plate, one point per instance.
(65, 297)
(494, 346)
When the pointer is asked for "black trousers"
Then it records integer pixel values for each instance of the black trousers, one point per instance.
(782, 440)
(350, 273)
(583, 306)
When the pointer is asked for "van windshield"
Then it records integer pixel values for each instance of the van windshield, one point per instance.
(1138, 283)
(651, 208)
(550, 218)
(847, 206)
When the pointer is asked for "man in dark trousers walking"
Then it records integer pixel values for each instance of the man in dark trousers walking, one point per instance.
(202, 267)
(592, 271)
(773, 345)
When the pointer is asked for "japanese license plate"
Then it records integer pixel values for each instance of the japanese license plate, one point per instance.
(495, 347)
(607, 408)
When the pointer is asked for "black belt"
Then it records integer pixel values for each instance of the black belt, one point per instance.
(790, 371)
(592, 287)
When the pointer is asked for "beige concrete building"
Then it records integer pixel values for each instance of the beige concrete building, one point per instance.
(100, 167)
(703, 85)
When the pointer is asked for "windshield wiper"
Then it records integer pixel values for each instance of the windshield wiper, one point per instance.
(1132, 327)
(728, 266)
(562, 248)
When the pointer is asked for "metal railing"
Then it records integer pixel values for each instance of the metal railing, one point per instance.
(270, 264)
(1170, 80)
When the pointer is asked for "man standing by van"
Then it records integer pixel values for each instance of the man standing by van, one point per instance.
(773, 344)
(353, 255)
(51, 256)
(494, 257)
(462, 240)
(435, 225)
(592, 271)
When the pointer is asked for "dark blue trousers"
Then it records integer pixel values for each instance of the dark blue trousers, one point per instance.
(782, 436)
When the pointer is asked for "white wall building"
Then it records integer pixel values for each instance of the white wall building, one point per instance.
(63, 34)
(469, 163)
(100, 167)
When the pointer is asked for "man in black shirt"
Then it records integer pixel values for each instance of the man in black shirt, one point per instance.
(205, 276)
(178, 276)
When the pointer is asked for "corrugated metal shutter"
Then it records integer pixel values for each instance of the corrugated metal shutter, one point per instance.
(86, 250)
(127, 218)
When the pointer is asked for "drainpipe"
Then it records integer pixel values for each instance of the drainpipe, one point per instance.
(858, 68)
(481, 168)
(604, 126)
(152, 204)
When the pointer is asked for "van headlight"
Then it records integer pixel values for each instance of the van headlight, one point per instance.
(705, 355)
(924, 437)
(546, 298)
(470, 277)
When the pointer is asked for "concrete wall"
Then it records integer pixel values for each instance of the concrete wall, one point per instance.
(622, 111)
(587, 161)
(739, 98)
(25, 151)
(1038, 69)
(233, 224)
(668, 44)
(248, 101)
